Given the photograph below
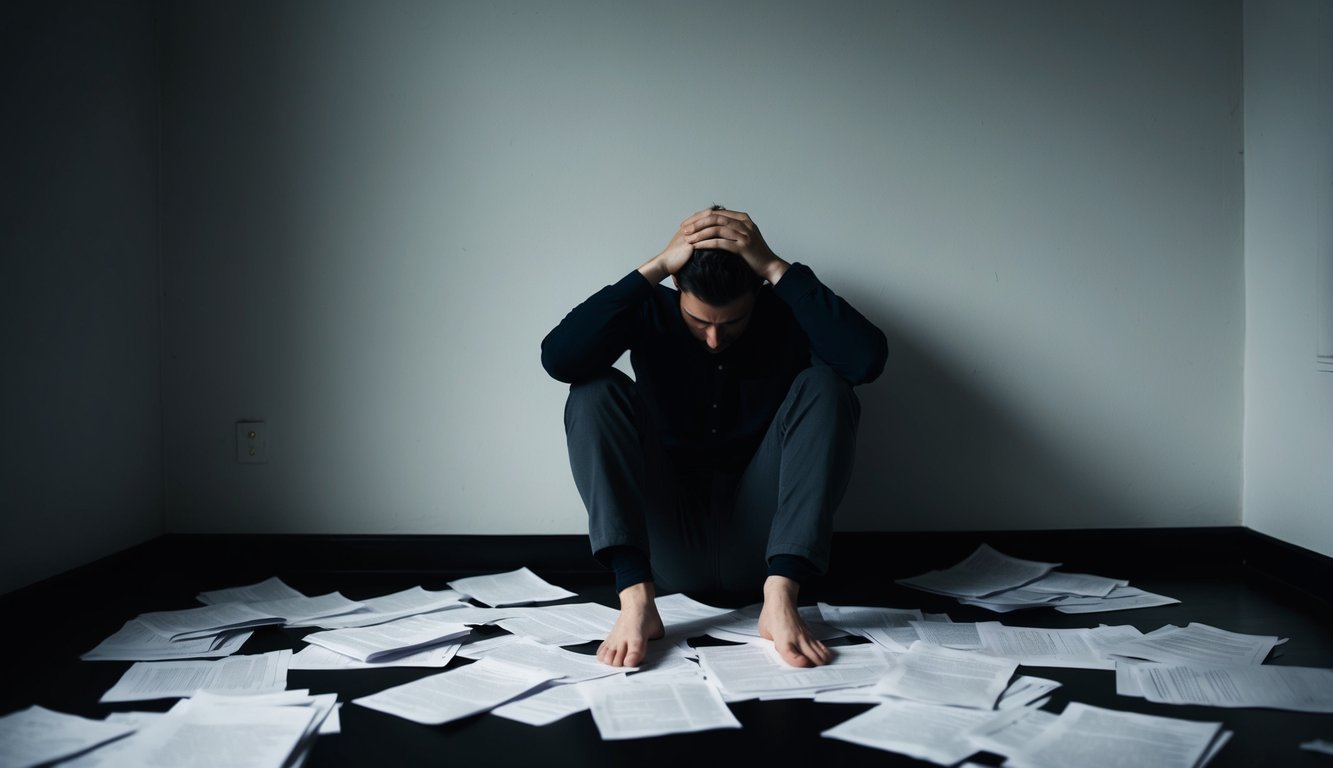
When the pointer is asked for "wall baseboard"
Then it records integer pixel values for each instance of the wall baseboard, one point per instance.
(858, 557)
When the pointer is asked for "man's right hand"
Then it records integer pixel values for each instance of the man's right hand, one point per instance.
(676, 254)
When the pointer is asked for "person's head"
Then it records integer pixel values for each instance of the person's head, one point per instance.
(717, 295)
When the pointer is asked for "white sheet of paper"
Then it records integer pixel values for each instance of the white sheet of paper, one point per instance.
(889, 627)
(1121, 599)
(546, 705)
(1318, 745)
(924, 731)
(314, 657)
(303, 609)
(1025, 690)
(568, 624)
(755, 670)
(397, 605)
(136, 642)
(1270, 686)
(1011, 733)
(207, 620)
(1092, 737)
(627, 710)
(1197, 644)
(568, 666)
(37, 735)
(146, 680)
(457, 693)
(1042, 647)
(963, 636)
(938, 675)
(1084, 584)
(518, 587)
(391, 638)
(220, 736)
(114, 754)
(981, 573)
(269, 589)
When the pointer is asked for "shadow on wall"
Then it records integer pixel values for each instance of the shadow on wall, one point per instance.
(937, 452)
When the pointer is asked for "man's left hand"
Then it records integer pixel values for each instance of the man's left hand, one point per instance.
(734, 231)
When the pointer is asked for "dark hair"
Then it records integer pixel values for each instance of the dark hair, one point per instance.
(717, 277)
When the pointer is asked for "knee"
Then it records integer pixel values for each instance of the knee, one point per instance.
(821, 382)
(611, 390)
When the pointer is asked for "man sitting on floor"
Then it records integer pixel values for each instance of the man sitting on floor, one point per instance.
(725, 457)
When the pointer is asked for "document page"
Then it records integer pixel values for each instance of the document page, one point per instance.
(546, 705)
(302, 608)
(1092, 737)
(37, 735)
(390, 638)
(641, 710)
(562, 624)
(518, 587)
(398, 605)
(193, 623)
(569, 666)
(743, 671)
(1303, 689)
(314, 657)
(1120, 599)
(889, 627)
(147, 680)
(220, 736)
(136, 642)
(269, 589)
(945, 676)
(1011, 733)
(1041, 647)
(982, 573)
(1197, 644)
(1083, 584)
(457, 693)
(963, 636)
(924, 731)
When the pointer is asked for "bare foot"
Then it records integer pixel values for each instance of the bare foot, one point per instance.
(638, 623)
(779, 622)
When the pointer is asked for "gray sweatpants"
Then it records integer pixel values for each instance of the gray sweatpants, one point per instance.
(718, 533)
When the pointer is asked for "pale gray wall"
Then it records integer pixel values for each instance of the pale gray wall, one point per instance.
(81, 456)
(1289, 252)
(373, 212)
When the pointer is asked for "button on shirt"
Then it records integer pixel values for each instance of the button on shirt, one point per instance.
(712, 410)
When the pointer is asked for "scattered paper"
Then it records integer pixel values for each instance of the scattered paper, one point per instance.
(136, 642)
(1302, 689)
(924, 731)
(641, 710)
(945, 676)
(457, 693)
(518, 587)
(146, 680)
(1092, 737)
(37, 735)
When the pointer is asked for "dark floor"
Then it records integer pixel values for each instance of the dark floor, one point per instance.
(1228, 578)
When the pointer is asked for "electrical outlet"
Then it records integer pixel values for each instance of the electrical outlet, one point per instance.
(251, 442)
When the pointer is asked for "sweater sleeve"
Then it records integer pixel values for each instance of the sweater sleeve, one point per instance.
(597, 332)
(839, 335)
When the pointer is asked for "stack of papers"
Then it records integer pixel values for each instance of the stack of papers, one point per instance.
(391, 639)
(1000, 583)
(269, 731)
(136, 642)
(146, 680)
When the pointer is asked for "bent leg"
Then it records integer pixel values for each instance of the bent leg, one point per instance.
(606, 458)
(786, 501)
